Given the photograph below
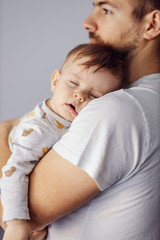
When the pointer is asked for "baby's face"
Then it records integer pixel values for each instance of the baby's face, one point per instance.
(76, 86)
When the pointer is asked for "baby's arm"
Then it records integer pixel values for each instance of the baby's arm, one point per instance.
(17, 229)
(5, 128)
(21, 230)
(31, 143)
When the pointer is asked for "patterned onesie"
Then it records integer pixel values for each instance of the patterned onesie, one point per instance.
(35, 134)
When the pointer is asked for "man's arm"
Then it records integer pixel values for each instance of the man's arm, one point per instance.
(57, 188)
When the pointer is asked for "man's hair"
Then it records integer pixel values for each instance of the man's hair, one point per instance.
(100, 56)
(142, 7)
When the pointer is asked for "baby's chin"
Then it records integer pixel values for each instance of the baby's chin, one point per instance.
(69, 117)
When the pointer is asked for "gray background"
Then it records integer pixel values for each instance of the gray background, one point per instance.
(35, 36)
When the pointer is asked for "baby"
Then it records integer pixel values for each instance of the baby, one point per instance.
(89, 72)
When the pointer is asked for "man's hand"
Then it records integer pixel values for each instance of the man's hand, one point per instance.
(17, 229)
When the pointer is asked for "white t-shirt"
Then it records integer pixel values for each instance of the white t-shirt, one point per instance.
(121, 152)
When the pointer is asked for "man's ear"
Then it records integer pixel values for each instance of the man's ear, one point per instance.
(152, 25)
(54, 78)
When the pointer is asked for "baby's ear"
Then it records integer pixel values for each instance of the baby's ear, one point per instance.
(54, 78)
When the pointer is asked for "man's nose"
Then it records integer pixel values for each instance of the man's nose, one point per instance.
(89, 24)
(79, 96)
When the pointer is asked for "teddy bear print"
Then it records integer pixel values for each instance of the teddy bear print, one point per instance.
(60, 125)
(9, 172)
(44, 116)
(32, 114)
(45, 150)
(34, 162)
(27, 132)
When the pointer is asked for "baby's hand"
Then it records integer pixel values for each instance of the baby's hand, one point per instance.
(39, 235)
(17, 230)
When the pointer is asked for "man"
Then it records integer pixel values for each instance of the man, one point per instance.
(107, 166)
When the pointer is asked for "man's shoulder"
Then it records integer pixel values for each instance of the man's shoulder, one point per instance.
(116, 102)
(112, 109)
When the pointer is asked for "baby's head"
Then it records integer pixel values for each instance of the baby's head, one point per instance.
(89, 72)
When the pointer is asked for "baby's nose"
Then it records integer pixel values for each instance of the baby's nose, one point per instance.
(79, 97)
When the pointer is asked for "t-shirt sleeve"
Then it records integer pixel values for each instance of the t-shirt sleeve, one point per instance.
(105, 140)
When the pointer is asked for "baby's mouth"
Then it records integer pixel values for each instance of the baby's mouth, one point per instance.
(72, 109)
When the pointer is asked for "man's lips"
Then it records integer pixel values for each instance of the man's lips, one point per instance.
(92, 38)
(72, 109)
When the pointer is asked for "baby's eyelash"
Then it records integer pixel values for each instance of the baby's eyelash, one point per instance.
(91, 96)
(74, 83)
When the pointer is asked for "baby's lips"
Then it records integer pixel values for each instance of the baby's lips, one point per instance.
(72, 108)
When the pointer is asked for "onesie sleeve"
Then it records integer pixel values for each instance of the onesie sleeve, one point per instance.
(30, 142)
(106, 138)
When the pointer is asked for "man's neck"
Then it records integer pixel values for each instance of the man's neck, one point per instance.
(144, 63)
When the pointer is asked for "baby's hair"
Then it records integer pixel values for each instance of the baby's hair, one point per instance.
(100, 56)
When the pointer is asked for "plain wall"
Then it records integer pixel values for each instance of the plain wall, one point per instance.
(35, 36)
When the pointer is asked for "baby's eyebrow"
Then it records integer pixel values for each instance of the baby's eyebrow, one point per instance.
(75, 75)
